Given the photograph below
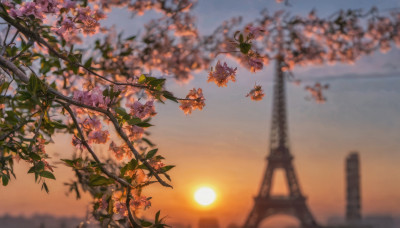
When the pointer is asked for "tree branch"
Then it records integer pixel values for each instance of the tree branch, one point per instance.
(22, 76)
(130, 216)
(84, 142)
(52, 50)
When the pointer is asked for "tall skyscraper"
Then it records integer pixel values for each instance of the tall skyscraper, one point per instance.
(353, 188)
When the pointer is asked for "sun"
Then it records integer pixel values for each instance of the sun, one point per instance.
(205, 196)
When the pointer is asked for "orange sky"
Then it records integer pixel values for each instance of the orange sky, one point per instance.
(225, 145)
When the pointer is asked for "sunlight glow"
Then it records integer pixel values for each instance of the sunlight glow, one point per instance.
(205, 196)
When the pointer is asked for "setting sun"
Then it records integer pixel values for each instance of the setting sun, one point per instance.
(205, 196)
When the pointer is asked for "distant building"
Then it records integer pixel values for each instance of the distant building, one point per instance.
(232, 225)
(353, 189)
(208, 223)
(380, 221)
(353, 218)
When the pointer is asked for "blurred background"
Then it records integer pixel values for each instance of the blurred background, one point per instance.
(224, 146)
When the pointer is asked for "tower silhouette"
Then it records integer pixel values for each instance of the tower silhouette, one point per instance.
(294, 204)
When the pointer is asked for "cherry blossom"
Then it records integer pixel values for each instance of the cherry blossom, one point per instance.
(142, 111)
(92, 98)
(27, 9)
(194, 100)
(134, 132)
(255, 63)
(222, 74)
(316, 92)
(140, 202)
(98, 136)
(256, 93)
(254, 32)
(156, 164)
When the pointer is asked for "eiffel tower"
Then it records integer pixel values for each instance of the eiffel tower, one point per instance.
(265, 204)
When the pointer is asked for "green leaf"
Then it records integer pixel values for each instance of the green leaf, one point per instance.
(88, 63)
(33, 84)
(44, 186)
(143, 124)
(134, 121)
(167, 168)
(47, 174)
(170, 96)
(122, 112)
(58, 125)
(5, 180)
(245, 47)
(148, 142)
(151, 153)
(24, 95)
(146, 223)
(241, 38)
(131, 38)
(69, 163)
(157, 216)
(142, 78)
(97, 180)
(35, 156)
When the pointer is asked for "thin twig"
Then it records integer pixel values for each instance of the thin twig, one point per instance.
(130, 216)
(36, 133)
(30, 43)
(85, 143)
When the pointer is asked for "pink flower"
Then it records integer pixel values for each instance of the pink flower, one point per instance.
(27, 9)
(120, 210)
(139, 202)
(254, 32)
(76, 142)
(66, 26)
(89, 19)
(92, 98)
(256, 94)
(103, 203)
(316, 92)
(134, 132)
(195, 100)
(156, 164)
(255, 63)
(222, 74)
(120, 152)
(48, 6)
(91, 124)
(8, 4)
(141, 177)
(142, 111)
(98, 136)
(68, 4)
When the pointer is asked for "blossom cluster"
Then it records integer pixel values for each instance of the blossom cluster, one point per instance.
(316, 92)
(93, 98)
(256, 93)
(120, 152)
(93, 126)
(119, 207)
(142, 111)
(134, 132)
(222, 74)
(194, 100)
(73, 17)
